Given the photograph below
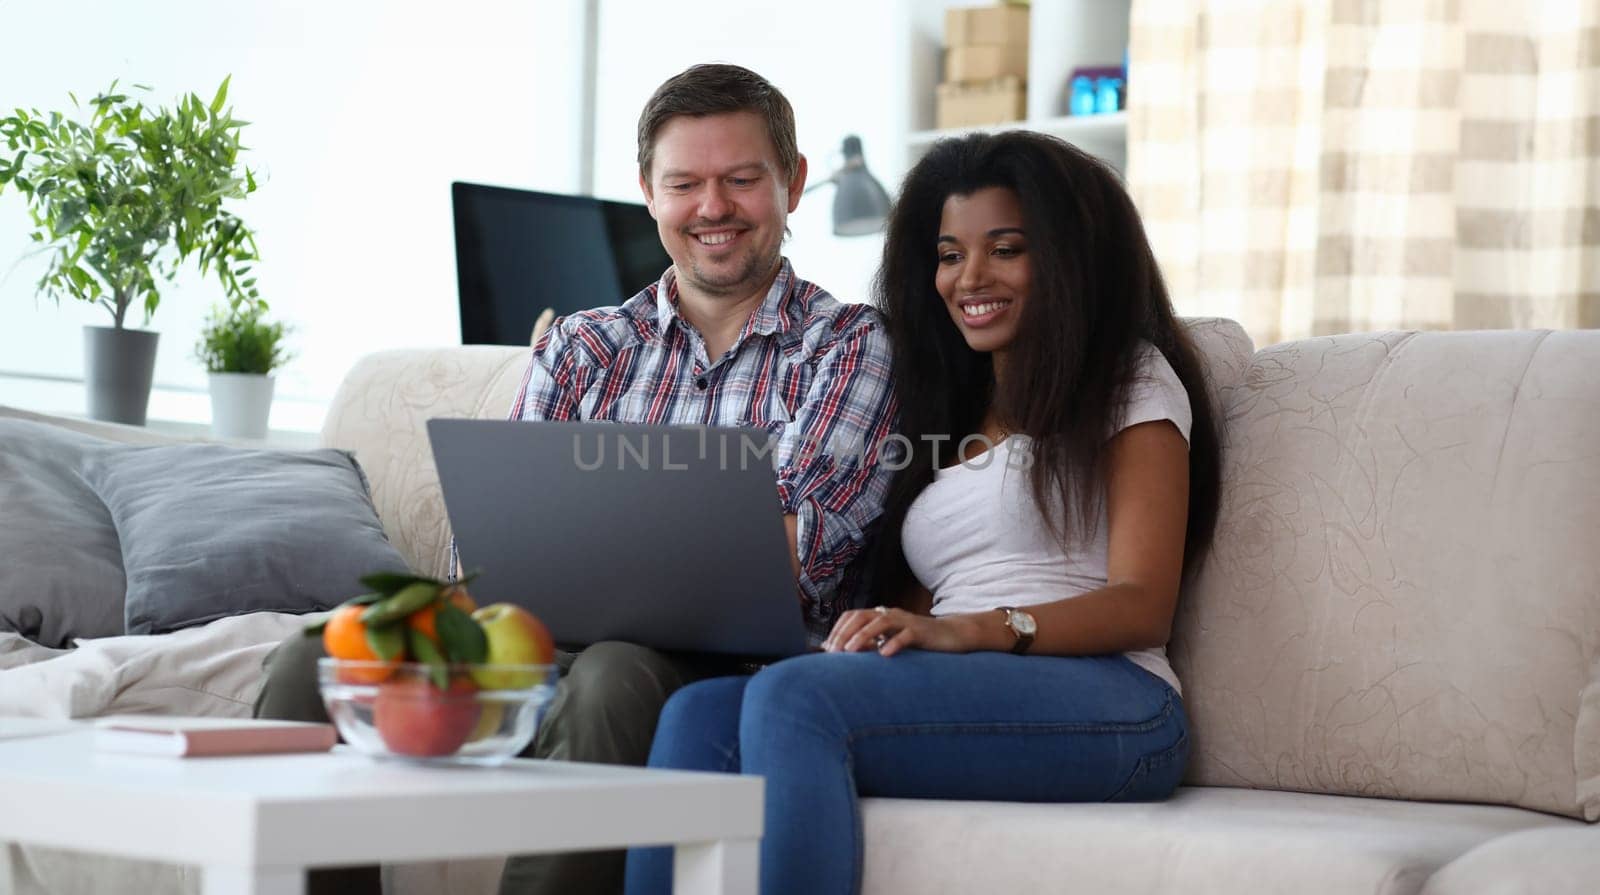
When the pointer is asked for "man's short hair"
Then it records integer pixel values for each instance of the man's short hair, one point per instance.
(714, 89)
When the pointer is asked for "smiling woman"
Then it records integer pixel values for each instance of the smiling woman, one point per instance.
(984, 273)
(1027, 313)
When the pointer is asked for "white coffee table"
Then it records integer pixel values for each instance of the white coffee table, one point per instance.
(255, 824)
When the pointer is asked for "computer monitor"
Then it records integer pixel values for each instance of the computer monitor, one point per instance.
(519, 252)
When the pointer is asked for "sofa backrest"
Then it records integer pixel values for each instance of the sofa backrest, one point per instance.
(381, 412)
(118, 432)
(1403, 597)
(382, 407)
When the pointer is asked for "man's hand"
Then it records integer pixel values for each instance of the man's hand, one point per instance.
(891, 630)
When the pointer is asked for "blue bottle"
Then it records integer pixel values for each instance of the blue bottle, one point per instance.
(1108, 95)
(1083, 96)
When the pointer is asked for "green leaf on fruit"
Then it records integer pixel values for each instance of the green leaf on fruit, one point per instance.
(388, 641)
(460, 635)
(390, 583)
(425, 651)
(412, 597)
(314, 629)
(363, 600)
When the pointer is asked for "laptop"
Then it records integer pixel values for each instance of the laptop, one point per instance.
(666, 536)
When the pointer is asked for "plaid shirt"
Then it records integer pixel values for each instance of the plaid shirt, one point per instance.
(809, 369)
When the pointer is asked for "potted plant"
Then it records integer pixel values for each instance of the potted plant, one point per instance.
(121, 202)
(240, 349)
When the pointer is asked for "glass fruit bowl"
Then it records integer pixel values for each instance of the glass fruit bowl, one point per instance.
(436, 714)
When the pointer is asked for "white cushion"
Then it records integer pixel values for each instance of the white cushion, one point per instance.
(1203, 840)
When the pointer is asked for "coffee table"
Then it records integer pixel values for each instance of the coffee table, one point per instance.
(254, 824)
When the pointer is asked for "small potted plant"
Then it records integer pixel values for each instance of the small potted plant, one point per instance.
(240, 349)
(120, 202)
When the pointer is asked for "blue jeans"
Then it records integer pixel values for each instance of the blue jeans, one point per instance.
(826, 728)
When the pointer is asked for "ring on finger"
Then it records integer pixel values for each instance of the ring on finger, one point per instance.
(880, 640)
(881, 610)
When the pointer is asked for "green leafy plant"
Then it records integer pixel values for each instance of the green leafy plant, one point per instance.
(240, 340)
(124, 199)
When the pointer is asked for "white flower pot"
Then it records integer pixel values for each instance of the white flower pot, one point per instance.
(240, 405)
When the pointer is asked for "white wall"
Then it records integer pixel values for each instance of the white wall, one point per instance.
(836, 60)
(361, 113)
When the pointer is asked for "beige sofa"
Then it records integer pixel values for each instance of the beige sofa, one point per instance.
(1390, 659)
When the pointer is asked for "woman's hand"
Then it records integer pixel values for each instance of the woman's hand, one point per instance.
(891, 630)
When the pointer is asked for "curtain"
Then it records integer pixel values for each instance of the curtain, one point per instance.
(1322, 166)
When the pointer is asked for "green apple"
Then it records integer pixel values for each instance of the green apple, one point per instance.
(516, 637)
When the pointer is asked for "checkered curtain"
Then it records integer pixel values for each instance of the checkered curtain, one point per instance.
(1323, 166)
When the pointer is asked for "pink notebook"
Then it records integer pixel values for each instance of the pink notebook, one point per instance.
(184, 737)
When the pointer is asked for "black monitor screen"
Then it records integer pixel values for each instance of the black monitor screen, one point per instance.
(519, 252)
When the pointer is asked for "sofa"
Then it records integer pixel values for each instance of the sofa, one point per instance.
(1391, 657)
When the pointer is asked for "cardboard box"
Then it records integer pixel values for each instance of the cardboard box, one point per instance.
(975, 105)
(965, 65)
(986, 26)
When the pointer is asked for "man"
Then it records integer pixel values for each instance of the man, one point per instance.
(729, 336)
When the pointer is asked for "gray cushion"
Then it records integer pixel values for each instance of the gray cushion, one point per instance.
(60, 563)
(209, 530)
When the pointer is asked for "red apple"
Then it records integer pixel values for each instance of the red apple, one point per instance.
(414, 717)
(516, 637)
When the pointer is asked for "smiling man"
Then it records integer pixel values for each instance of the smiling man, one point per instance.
(720, 196)
(729, 336)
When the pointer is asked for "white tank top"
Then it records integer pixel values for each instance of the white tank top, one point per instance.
(975, 539)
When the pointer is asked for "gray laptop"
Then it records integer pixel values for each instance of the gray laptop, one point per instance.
(666, 536)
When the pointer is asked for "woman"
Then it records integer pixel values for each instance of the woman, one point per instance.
(1063, 477)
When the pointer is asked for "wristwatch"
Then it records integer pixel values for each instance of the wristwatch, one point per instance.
(1022, 625)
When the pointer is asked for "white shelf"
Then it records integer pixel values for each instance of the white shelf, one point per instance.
(1064, 35)
(1098, 130)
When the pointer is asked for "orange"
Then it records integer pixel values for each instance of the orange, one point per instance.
(422, 621)
(345, 637)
